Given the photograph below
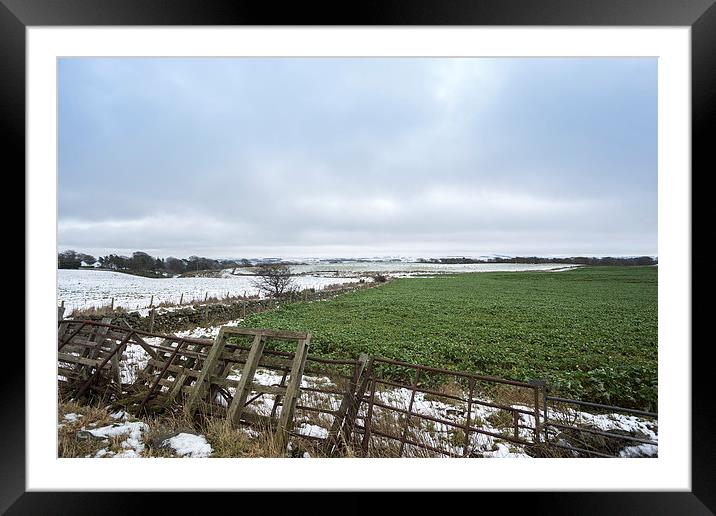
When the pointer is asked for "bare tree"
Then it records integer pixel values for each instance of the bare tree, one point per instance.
(274, 279)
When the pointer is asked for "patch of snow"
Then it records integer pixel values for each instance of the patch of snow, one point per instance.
(190, 445)
(312, 430)
(134, 360)
(250, 432)
(128, 453)
(133, 445)
(71, 417)
(503, 451)
(642, 450)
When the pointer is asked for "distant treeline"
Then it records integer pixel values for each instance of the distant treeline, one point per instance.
(141, 261)
(580, 260)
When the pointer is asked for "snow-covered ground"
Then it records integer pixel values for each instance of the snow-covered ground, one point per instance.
(405, 269)
(133, 433)
(90, 288)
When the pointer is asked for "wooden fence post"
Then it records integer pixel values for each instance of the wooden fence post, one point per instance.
(201, 384)
(151, 320)
(293, 389)
(61, 311)
(111, 306)
(233, 413)
(151, 301)
(181, 298)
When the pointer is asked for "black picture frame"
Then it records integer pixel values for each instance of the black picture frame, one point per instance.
(700, 15)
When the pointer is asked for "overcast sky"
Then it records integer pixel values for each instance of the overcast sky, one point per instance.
(358, 157)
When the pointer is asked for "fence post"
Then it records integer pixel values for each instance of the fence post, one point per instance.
(151, 301)
(181, 298)
(538, 385)
(206, 296)
(61, 311)
(111, 306)
(151, 320)
(544, 418)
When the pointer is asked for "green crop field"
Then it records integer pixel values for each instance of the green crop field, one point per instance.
(591, 332)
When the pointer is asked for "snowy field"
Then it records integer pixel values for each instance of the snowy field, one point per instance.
(400, 269)
(88, 288)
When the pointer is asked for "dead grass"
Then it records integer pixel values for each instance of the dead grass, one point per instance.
(450, 389)
(97, 311)
(506, 394)
(235, 442)
(501, 419)
(68, 443)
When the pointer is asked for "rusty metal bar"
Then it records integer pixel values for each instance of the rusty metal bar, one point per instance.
(457, 398)
(413, 443)
(604, 434)
(354, 407)
(536, 413)
(369, 419)
(341, 431)
(605, 407)
(582, 450)
(410, 411)
(545, 416)
(466, 444)
(454, 424)
(455, 373)
(104, 362)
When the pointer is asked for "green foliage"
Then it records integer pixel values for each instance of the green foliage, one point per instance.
(591, 332)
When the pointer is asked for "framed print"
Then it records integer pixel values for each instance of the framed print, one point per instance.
(363, 254)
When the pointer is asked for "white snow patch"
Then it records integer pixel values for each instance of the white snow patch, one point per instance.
(312, 430)
(133, 445)
(190, 445)
(250, 432)
(71, 417)
(642, 450)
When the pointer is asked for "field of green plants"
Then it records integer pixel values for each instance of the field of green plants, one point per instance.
(590, 332)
